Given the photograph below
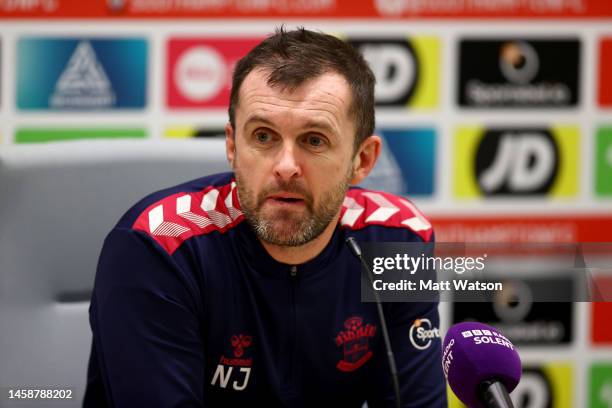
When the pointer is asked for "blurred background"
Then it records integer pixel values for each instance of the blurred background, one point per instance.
(496, 117)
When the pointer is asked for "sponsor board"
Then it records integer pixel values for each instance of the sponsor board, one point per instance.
(516, 161)
(601, 329)
(81, 73)
(546, 386)
(406, 70)
(199, 70)
(527, 9)
(603, 161)
(605, 67)
(518, 73)
(186, 132)
(600, 390)
(550, 385)
(522, 229)
(523, 320)
(38, 135)
(1, 103)
(406, 165)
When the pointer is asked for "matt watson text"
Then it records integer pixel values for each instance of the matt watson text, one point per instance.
(432, 285)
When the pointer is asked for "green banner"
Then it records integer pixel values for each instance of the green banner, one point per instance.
(603, 162)
(37, 135)
(601, 386)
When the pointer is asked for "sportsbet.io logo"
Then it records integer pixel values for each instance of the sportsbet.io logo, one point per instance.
(518, 72)
(422, 334)
(518, 62)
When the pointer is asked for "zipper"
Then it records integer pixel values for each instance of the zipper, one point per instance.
(293, 274)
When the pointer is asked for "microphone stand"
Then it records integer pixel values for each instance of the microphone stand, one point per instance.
(493, 394)
(356, 250)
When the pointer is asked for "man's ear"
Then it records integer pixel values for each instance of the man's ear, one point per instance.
(365, 158)
(230, 144)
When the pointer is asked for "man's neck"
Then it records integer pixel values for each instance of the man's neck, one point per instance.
(295, 255)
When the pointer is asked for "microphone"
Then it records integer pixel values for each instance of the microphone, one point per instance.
(356, 250)
(481, 365)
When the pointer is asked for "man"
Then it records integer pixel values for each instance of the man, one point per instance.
(238, 289)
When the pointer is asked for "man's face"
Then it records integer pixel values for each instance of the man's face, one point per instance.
(292, 155)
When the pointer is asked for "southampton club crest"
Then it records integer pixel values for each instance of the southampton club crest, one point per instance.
(355, 343)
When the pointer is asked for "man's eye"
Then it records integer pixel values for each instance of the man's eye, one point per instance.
(263, 137)
(315, 141)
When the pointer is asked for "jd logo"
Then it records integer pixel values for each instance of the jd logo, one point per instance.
(395, 67)
(534, 390)
(517, 162)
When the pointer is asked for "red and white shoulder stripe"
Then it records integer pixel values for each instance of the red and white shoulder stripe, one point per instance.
(364, 207)
(181, 216)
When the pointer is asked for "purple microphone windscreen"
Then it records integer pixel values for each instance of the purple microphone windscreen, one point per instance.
(475, 352)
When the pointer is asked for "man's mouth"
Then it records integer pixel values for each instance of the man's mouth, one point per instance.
(286, 198)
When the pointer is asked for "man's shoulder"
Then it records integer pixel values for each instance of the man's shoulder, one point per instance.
(368, 208)
(175, 214)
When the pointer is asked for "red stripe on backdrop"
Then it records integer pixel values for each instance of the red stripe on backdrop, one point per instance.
(517, 229)
(376, 9)
(601, 329)
(605, 67)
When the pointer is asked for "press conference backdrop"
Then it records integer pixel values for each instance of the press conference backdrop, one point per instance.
(496, 118)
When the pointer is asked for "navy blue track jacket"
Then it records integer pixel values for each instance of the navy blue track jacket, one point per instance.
(189, 310)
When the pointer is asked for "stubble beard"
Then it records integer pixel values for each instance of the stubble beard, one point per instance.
(288, 227)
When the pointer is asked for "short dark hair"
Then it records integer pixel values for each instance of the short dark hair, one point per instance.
(294, 57)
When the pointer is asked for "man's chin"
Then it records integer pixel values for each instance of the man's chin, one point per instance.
(286, 233)
(284, 218)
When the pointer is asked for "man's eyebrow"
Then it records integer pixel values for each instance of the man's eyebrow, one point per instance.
(258, 119)
(310, 124)
(319, 124)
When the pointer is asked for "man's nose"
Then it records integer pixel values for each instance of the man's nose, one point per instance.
(287, 165)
